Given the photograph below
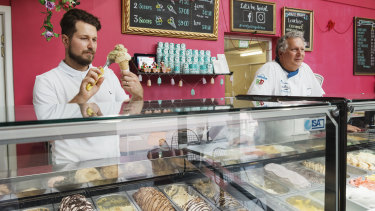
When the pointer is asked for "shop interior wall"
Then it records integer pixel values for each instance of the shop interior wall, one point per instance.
(32, 55)
(332, 54)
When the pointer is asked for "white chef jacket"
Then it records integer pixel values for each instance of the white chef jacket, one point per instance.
(271, 79)
(54, 89)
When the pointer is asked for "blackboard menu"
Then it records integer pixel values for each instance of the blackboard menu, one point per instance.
(364, 46)
(253, 16)
(195, 19)
(300, 20)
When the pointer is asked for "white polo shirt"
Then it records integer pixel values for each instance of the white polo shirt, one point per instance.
(61, 84)
(54, 89)
(271, 79)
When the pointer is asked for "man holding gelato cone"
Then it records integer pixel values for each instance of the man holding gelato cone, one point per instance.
(75, 80)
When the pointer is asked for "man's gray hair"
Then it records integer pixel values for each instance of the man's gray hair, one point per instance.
(282, 43)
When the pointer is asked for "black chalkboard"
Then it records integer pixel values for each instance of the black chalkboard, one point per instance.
(196, 19)
(300, 20)
(364, 46)
(253, 16)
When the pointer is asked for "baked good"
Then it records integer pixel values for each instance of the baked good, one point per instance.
(4, 189)
(51, 182)
(150, 199)
(109, 172)
(38, 209)
(114, 203)
(87, 175)
(30, 192)
(196, 204)
(75, 202)
(120, 56)
(134, 169)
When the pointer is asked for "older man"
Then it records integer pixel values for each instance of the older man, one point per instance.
(287, 75)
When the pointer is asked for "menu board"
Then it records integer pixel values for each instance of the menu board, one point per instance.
(253, 16)
(196, 19)
(300, 20)
(364, 46)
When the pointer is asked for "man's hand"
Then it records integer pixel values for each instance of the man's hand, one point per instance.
(90, 110)
(131, 84)
(92, 78)
(133, 107)
(352, 128)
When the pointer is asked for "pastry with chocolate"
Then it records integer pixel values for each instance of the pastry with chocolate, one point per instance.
(75, 202)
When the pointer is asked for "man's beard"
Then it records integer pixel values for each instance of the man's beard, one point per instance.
(79, 59)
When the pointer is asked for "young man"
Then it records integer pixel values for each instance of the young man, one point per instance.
(67, 84)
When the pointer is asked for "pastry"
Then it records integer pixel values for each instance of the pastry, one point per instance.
(87, 175)
(114, 203)
(51, 182)
(75, 202)
(150, 199)
(4, 189)
(196, 204)
(120, 56)
(134, 169)
(30, 192)
(109, 172)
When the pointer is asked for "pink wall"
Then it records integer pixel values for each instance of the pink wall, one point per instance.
(33, 55)
(332, 54)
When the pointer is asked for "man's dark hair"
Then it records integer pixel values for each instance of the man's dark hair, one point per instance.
(70, 18)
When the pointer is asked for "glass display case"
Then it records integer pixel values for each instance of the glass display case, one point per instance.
(360, 189)
(208, 154)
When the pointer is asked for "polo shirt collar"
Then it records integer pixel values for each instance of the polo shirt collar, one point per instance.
(73, 72)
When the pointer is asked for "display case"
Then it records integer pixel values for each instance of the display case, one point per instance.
(360, 191)
(244, 153)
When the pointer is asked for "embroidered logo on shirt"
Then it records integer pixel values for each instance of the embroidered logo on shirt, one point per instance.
(260, 79)
(285, 88)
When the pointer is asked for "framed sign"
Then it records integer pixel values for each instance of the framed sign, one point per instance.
(253, 16)
(171, 18)
(364, 46)
(299, 20)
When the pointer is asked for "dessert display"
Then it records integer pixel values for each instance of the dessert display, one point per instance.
(162, 166)
(51, 182)
(150, 199)
(315, 166)
(75, 202)
(362, 196)
(114, 202)
(120, 56)
(318, 194)
(87, 175)
(287, 175)
(212, 191)
(303, 203)
(363, 160)
(353, 137)
(268, 149)
(309, 175)
(187, 201)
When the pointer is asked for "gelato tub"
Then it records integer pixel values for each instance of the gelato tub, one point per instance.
(114, 202)
(303, 203)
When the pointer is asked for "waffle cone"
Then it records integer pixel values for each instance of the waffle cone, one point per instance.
(124, 65)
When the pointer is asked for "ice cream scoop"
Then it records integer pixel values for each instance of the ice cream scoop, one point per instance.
(120, 56)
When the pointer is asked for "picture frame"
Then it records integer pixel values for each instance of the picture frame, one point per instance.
(299, 20)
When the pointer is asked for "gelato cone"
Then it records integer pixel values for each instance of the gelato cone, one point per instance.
(120, 56)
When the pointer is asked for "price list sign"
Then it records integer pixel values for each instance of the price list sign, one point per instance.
(364, 46)
(196, 19)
